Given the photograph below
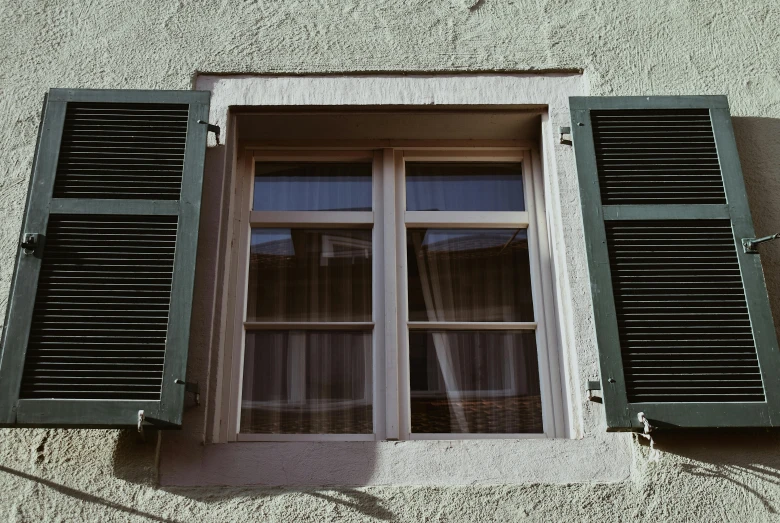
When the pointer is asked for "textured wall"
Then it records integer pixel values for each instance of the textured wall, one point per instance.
(624, 47)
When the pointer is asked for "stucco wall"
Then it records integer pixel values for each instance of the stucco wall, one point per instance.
(623, 47)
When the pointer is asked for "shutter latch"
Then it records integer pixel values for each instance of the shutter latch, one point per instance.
(30, 243)
(750, 245)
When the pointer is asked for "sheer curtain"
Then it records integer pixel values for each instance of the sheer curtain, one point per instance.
(308, 381)
(476, 276)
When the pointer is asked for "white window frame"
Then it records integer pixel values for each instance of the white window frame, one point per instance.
(389, 220)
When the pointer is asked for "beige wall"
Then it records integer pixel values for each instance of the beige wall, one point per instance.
(622, 47)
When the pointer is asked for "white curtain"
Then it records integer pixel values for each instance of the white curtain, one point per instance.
(307, 382)
(469, 276)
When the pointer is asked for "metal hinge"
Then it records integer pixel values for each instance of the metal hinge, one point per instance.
(211, 128)
(593, 386)
(565, 135)
(750, 245)
(190, 387)
(30, 242)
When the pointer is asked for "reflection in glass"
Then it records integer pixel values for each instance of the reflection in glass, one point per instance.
(469, 275)
(477, 382)
(312, 187)
(309, 275)
(450, 186)
(307, 382)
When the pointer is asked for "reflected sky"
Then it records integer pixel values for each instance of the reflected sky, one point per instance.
(447, 186)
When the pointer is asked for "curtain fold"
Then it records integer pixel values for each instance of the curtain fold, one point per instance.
(474, 276)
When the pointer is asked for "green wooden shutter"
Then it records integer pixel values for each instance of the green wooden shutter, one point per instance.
(98, 320)
(683, 324)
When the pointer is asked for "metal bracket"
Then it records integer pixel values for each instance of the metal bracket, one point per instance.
(750, 245)
(141, 418)
(190, 387)
(30, 242)
(564, 133)
(212, 129)
(592, 386)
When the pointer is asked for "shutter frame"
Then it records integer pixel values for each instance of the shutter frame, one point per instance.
(167, 412)
(621, 414)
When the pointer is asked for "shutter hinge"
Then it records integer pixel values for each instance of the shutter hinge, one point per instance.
(30, 242)
(565, 135)
(212, 129)
(750, 245)
(593, 386)
(190, 387)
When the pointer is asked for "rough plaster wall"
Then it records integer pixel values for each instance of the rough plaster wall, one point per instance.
(624, 47)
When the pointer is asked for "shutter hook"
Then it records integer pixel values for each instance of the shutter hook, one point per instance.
(654, 455)
(211, 128)
(141, 423)
(750, 245)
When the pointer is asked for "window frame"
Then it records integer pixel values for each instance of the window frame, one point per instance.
(389, 221)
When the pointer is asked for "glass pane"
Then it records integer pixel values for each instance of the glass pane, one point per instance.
(309, 275)
(464, 187)
(476, 382)
(307, 382)
(312, 187)
(469, 275)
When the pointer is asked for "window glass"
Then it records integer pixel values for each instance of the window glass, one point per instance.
(312, 187)
(309, 275)
(484, 382)
(469, 275)
(449, 186)
(307, 382)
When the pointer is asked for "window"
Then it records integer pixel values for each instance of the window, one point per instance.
(390, 294)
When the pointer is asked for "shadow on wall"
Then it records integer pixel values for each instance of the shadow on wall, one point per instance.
(134, 460)
(746, 461)
(758, 142)
(83, 496)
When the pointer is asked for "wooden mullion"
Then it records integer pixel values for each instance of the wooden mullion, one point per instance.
(703, 414)
(86, 413)
(668, 212)
(90, 206)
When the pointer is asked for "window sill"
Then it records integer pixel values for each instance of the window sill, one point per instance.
(600, 459)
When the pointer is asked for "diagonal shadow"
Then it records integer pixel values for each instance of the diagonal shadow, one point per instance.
(89, 498)
(701, 471)
(728, 454)
(363, 502)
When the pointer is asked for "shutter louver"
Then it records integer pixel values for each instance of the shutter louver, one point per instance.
(682, 316)
(98, 321)
(122, 151)
(101, 311)
(681, 312)
(656, 156)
